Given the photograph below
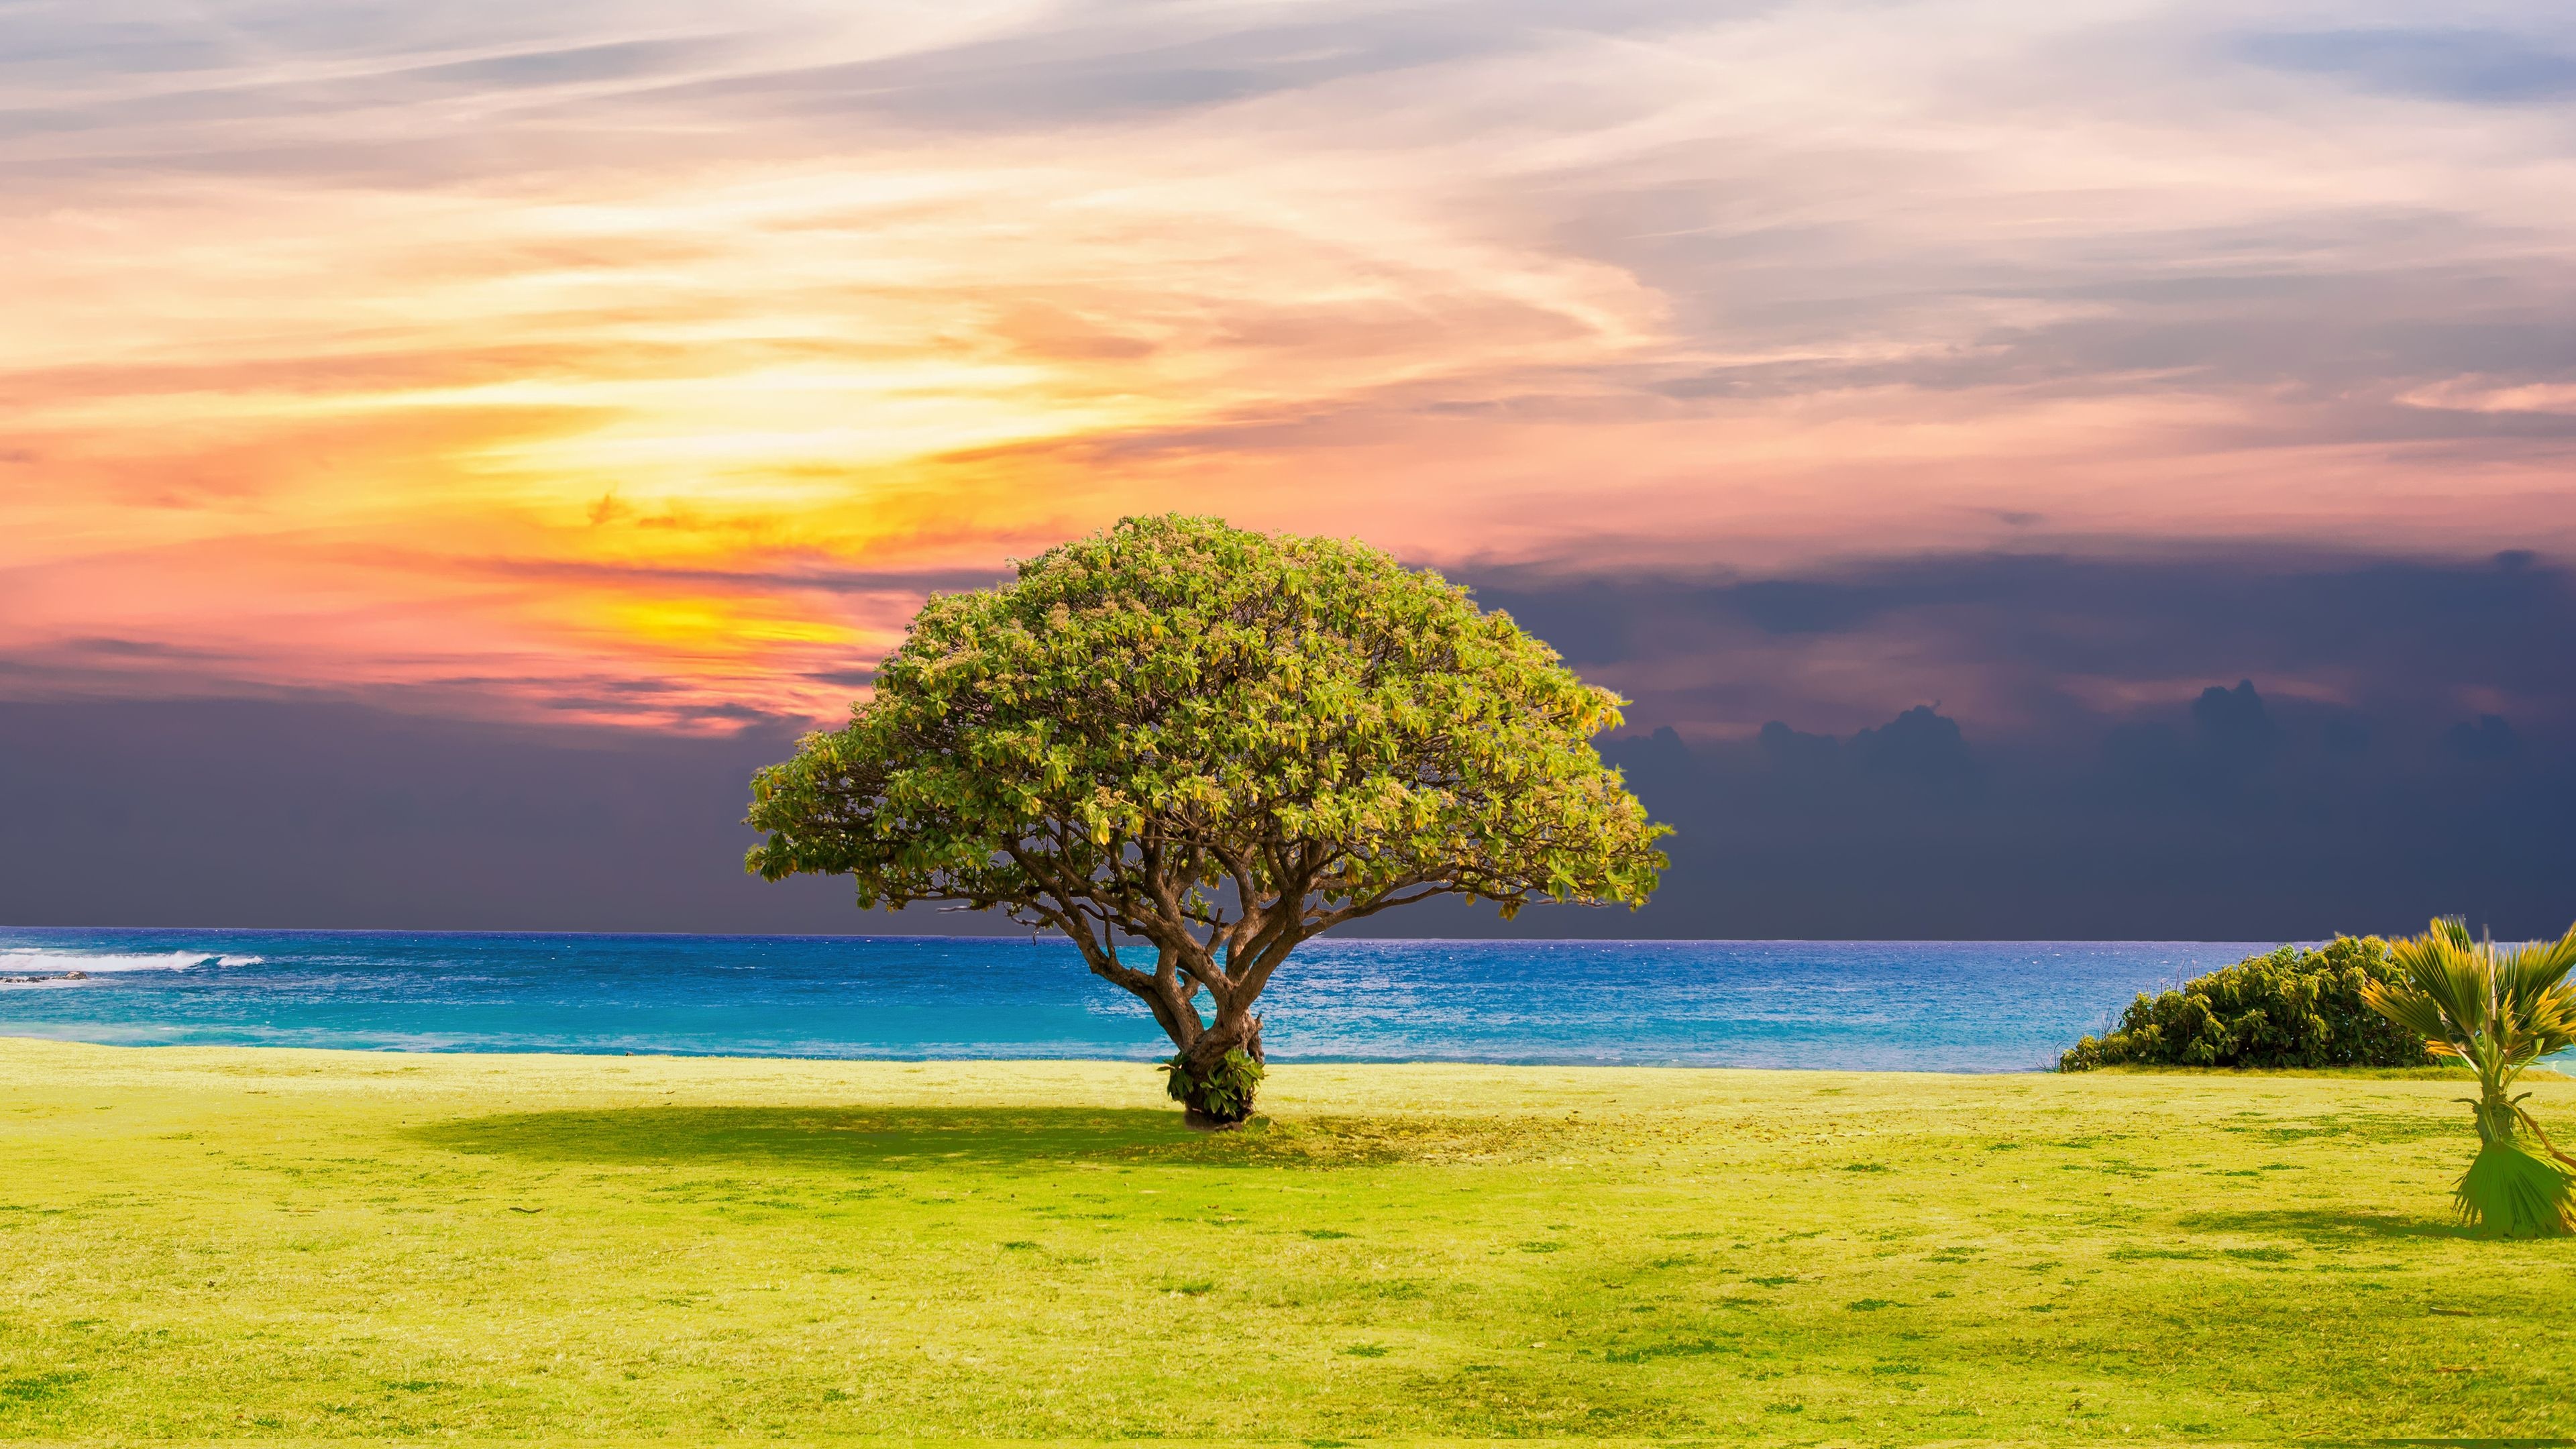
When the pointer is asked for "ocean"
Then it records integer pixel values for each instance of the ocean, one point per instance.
(1947, 1006)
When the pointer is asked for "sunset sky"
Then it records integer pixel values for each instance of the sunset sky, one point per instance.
(645, 362)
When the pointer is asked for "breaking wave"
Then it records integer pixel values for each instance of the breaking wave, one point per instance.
(22, 962)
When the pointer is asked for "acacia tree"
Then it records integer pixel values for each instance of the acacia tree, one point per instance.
(1206, 745)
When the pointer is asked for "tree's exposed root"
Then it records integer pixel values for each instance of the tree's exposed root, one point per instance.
(2514, 1193)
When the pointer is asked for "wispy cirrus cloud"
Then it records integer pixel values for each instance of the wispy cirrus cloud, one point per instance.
(2481, 67)
(369, 346)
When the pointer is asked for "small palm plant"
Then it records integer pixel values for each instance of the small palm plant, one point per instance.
(2498, 1010)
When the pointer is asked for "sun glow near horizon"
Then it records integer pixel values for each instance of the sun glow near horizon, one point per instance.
(597, 363)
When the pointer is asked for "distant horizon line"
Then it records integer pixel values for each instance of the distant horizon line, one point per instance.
(1014, 937)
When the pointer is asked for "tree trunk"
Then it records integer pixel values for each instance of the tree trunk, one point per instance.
(1216, 1093)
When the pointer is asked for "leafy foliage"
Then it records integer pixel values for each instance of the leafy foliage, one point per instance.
(2499, 1010)
(1217, 742)
(2292, 1007)
(1224, 1093)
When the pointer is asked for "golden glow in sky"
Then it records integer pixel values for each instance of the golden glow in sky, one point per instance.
(649, 361)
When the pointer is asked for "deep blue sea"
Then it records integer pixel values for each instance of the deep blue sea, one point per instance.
(1878, 1005)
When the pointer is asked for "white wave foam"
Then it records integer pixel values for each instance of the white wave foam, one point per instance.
(20, 961)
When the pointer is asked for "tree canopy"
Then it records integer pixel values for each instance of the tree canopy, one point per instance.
(1217, 742)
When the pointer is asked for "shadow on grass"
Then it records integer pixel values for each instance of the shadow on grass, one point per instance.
(974, 1137)
(2326, 1227)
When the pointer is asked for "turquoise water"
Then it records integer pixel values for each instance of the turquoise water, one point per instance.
(1923, 1005)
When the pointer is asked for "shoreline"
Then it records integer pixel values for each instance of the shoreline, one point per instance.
(11, 1041)
(1928, 1006)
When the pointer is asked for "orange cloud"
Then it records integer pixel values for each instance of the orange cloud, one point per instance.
(547, 362)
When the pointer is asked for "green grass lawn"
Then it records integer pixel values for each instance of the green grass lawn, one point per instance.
(220, 1244)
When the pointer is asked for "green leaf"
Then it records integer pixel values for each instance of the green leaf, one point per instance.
(1174, 707)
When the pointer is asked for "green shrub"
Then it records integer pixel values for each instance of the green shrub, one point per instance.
(1226, 1093)
(2291, 1008)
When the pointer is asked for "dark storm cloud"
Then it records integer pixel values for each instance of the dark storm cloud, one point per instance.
(2160, 762)
(2223, 809)
(2208, 818)
(2032, 637)
(303, 813)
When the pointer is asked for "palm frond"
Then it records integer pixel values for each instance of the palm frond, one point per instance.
(2512, 1192)
(2536, 977)
(2407, 1007)
(2453, 931)
(2499, 1010)
(2444, 966)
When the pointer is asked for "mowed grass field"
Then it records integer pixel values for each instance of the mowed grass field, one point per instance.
(251, 1244)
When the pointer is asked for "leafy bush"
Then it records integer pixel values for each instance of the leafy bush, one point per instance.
(1225, 1094)
(2290, 1008)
